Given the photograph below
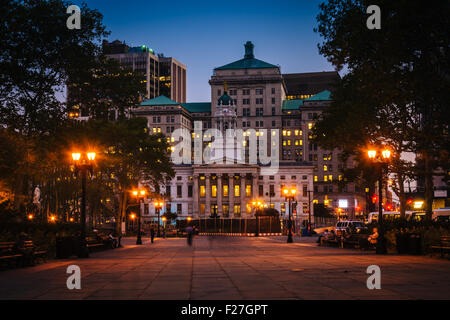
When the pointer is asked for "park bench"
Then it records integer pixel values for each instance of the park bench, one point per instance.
(335, 241)
(26, 255)
(443, 246)
(351, 241)
(8, 253)
(94, 244)
(35, 251)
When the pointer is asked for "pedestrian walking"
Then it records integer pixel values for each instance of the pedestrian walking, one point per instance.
(152, 234)
(190, 235)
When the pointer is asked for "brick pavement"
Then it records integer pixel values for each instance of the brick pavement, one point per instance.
(231, 268)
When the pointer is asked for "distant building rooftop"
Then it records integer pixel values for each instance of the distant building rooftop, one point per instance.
(249, 61)
(310, 82)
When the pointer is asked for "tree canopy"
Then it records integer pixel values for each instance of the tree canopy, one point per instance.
(396, 91)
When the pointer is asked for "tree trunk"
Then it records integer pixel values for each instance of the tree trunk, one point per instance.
(401, 195)
(428, 187)
(122, 210)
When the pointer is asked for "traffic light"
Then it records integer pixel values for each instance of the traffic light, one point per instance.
(374, 198)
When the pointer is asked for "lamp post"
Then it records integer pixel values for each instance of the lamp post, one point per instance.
(381, 159)
(164, 221)
(257, 204)
(158, 205)
(132, 217)
(83, 164)
(139, 194)
(289, 194)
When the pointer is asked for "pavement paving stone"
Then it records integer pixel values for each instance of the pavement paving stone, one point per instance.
(232, 269)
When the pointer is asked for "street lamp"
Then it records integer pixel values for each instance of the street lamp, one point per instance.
(289, 194)
(164, 221)
(381, 158)
(158, 206)
(257, 205)
(83, 164)
(139, 194)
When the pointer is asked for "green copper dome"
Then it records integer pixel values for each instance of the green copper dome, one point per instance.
(225, 100)
(249, 61)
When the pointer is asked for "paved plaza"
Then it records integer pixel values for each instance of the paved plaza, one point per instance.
(231, 268)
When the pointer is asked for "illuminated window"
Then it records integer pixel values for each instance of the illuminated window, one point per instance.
(226, 209)
(237, 192)
(248, 190)
(289, 133)
(214, 191)
(315, 179)
(202, 208)
(340, 178)
(237, 209)
(202, 191)
(284, 142)
(315, 201)
(310, 125)
(325, 178)
(296, 132)
(289, 142)
(249, 208)
(330, 177)
(325, 168)
(284, 132)
(225, 191)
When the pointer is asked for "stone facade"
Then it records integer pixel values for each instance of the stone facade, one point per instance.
(255, 96)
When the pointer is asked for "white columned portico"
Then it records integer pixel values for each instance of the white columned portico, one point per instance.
(219, 194)
(230, 194)
(242, 191)
(196, 194)
(208, 194)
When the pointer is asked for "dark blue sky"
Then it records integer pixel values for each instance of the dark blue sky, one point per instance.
(207, 34)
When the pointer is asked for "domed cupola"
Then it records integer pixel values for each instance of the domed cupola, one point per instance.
(225, 100)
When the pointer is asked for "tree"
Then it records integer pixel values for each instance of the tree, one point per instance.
(396, 90)
(37, 53)
(105, 87)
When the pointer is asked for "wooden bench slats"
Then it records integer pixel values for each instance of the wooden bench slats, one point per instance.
(8, 252)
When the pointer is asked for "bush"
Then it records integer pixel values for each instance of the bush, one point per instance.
(429, 231)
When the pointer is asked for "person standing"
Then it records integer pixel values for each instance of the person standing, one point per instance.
(152, 234)
(189, 231)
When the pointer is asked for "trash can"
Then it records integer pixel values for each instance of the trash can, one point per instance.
(414, 243)
(402, 243)
(64, 247)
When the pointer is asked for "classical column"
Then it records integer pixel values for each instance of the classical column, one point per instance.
(195, 193)
(243, 206)
(208, 195)
(254, 186)
(230, 195)
(219, 194)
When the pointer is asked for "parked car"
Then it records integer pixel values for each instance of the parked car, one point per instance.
(343, 227)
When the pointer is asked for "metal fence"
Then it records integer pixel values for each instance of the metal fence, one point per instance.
(236, 225)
